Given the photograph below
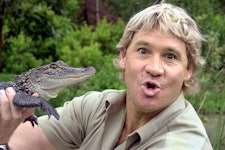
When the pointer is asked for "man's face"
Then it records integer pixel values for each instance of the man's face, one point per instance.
(155, 66)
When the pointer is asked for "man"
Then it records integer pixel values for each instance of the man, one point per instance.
(159, 59)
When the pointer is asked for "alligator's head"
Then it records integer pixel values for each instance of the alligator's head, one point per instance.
(50, 79)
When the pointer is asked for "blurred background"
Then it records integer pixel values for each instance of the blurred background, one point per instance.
(85, 32)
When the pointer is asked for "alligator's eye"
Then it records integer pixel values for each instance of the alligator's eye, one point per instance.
(53, 66)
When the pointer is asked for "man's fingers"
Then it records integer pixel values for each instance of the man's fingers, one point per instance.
(10, 93)
(8, 111)
(35, 94)
(8, 121)
(5, 112)
(15, 111)
(18, 112)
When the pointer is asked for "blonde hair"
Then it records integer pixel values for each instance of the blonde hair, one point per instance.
(168, 18)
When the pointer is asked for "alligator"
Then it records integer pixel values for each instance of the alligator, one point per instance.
(48, 81)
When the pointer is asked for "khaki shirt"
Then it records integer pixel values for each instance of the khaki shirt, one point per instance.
(94, 122)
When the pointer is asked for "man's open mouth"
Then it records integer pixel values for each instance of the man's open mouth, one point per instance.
(151, 85)
(151, 88)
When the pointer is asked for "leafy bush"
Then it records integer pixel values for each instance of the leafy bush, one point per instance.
(75, 53)
(6, 77)
(31, 34)
(108, 35)
(19, 56)
(88, 46)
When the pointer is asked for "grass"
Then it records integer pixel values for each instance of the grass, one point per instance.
(219, 141)
(211, 100)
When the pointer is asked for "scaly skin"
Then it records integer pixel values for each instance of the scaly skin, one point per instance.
(48, 81)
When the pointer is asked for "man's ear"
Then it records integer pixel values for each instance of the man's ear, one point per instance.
(189, 72)
(122, 58)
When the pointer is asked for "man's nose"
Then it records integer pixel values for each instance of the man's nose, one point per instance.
(155, 67)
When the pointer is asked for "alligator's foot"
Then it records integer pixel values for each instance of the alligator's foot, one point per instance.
(27, 101)
(46, 107)
(32, 119)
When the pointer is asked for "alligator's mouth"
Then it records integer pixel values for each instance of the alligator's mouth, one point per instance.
(62, 79)
(75, 73)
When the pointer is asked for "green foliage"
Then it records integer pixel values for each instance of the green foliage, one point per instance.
(82, 56)
(87, 46)
(81, 51)
(40, 28)
(20, 58)
(207, 102)
(209, 99)
(36, 20)
(65, 8)
(214, 49)
(6, 77)
(219, 141)
(108, 35)
(127, 8)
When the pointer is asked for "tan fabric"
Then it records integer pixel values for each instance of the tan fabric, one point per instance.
(94, 122)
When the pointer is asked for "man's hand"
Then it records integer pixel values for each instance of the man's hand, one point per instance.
(10, 115)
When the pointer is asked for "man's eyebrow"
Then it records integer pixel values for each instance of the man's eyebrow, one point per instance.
(142, 43)
(169, 49)
(175, 51)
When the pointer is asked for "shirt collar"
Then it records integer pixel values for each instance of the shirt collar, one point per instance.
(115, 101)
(161, 120)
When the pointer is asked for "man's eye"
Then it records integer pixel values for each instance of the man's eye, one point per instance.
(170, 56)
(142, 51)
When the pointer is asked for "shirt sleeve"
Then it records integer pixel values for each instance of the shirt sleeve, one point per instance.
(76, 117)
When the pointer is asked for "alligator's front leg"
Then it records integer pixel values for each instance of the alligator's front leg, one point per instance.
(23, 100)
(4, 85)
